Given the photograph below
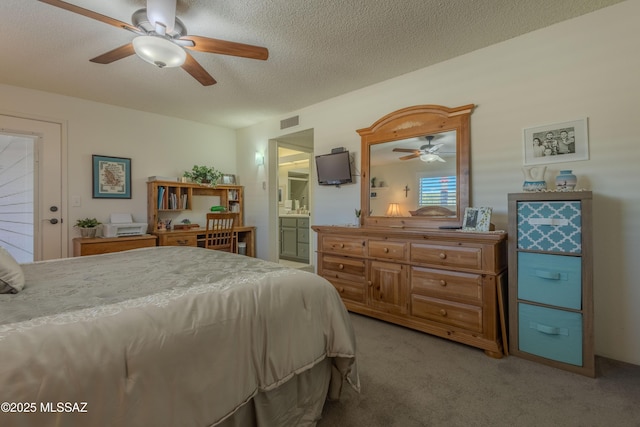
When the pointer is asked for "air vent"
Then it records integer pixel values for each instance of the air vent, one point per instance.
(290, 122)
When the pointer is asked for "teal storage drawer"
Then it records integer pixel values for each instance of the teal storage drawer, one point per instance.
(550, 279)
(550, 333)
(550, 226)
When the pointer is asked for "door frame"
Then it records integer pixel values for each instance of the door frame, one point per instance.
(64, 209)
(273, 167)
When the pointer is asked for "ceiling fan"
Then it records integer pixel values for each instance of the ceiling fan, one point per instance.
(162, 39)
(426, 153)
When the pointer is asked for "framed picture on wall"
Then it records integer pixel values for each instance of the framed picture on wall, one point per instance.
(111, 177)
(556, 143)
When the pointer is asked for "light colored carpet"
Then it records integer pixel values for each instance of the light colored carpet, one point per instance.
(413, 379)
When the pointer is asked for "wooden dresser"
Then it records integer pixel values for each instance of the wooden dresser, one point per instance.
(445, 283)
(103, 245)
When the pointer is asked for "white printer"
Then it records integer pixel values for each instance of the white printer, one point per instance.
(121, 224)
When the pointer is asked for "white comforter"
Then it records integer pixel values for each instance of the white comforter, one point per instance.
(163, 336)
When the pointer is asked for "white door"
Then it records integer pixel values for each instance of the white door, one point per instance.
(31, 210)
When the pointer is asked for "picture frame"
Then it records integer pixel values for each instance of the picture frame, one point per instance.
(477, 219)
(111, 177)
(228, 179)
(556, 143)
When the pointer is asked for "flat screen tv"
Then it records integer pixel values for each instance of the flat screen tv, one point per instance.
(334, 168)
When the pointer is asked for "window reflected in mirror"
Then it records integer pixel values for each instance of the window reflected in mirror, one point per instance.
(419, 174)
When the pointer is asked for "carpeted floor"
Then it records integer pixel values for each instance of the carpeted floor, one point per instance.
(413, 379)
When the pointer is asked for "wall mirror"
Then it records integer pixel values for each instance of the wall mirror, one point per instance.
(415, 168)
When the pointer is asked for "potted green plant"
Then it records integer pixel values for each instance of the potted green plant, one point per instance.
(203, 175)
(87, 226)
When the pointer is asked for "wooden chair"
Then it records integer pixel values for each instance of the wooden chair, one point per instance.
(219, 232)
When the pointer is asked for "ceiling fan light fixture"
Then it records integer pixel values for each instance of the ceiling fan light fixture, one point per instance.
(429, 158)
(159, 51)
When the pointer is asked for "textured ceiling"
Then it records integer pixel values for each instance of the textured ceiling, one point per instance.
(318, 49)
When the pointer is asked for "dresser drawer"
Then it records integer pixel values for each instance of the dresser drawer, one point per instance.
(183, 240)
(343, 268)
(448, 285)
(449, 256)
(387, 250)
(550, 226)
(462, 316)
(550, 279)
(346, 246)
(350, 291)
(550, 333)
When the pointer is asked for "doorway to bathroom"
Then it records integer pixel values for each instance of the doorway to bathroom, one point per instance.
(295, 152)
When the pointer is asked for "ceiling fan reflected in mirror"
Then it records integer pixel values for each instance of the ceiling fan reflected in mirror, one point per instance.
(162, 39)
(427, 153)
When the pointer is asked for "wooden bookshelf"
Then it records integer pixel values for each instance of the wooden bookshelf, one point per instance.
(168, 199)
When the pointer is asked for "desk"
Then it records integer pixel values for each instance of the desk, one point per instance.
(195, 237)
(103, 245)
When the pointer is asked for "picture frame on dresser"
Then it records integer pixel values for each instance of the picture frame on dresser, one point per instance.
(556, 143)
(477, 219)
(111, 177)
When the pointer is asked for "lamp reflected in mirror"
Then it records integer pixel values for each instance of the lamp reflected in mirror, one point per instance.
(393, 209)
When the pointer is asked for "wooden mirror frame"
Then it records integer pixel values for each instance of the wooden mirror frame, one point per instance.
(410, 122)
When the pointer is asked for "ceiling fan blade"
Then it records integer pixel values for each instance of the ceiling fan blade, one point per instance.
(223, 47)
(115, 54)
(410, 156)
(192, 67)
(91, 14)
(405, 150)
(434, 148)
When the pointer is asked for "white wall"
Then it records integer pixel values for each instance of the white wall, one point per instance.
(585, 67)
(157, 145)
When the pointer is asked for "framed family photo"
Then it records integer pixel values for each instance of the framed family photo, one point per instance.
(477, 219)
(556, 143)
(111, 177)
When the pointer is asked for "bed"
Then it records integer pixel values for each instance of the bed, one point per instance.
(172, 336)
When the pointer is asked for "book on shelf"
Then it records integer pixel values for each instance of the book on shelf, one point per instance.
(161, 191)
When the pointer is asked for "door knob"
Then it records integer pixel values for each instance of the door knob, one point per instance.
(53, 220)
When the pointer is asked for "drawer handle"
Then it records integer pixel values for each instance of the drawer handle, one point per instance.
(549, 221)
(341, 266)
(443, 283)
(551, 275)
(182, 242)
(370, 283)
(386, 250)
(442, 255)
(341, 290)
(443, 312)
(549, 330)
(342, 245)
